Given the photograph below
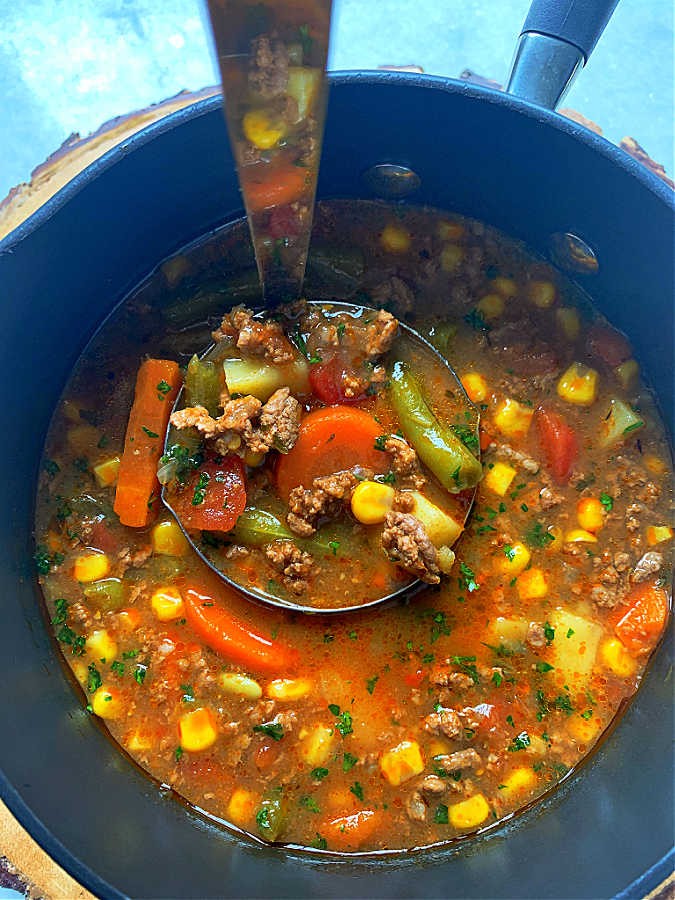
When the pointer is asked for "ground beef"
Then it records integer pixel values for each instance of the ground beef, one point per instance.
(548, 498)
(394, 293)
(279, 423)
(236, 551)
(536, 637)
(295, 564)
(404, 462)
(622, 561)
(258, 338)
(521, 459)
(445, 721)
(405, 541)
(446, 677)
(648, 564)
(379, 334)
(403, 501)
(323, 499)
(235, 422)
(268, 67)
(462, 759)
(416, 808)
(135, 559)
(433, 785)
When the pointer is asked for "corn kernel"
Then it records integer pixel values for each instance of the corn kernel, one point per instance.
(568, 321)
(499, 478)
(197, 730)
(469, 813)
(475, 386)
(288, 688)
(584, 730)
(505, 286)
(168, 539)
(315, 747)
(578, 385)
(107, 703)
(450, 231)
(655, 465)
(242, 806)
(371, 501)
(242, 685)
(517, 782)
(138, 740)
(101, 645)
(395, 238)
(513, 418)
(627, 373)
(90, 567)
(617, 658)
(402, 762)
(105, 472)
(253, 459)
(579, 536)
(513, 559)
(451, 257)
(167, 604)
(555, 546)
(590, 514)
(541, 293)
(83, 439)
(657, 534)
(129, 619)
(532, 585)
(491, 306)
(441, 528)
(262, 130)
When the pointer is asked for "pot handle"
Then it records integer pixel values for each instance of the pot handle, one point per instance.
(555, 41)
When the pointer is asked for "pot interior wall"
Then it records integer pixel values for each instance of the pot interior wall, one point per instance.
(61, 273)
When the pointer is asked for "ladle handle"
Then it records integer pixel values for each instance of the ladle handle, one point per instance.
(555, 41)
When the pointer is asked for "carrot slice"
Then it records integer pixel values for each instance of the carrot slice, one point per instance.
(157, 385)
(232, 637)
(267, 186)
(641, 625)
(331, 439)
(349, 832)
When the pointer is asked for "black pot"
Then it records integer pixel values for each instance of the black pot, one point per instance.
(608, 830)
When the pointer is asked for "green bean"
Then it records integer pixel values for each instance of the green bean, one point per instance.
(256, 527)
(334, 271)
(203, 384)
(106, 595)
(213, 298)
(271, 814)
(436, 444)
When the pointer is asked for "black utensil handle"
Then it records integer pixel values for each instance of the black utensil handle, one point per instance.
(555, 41)
(579, 22)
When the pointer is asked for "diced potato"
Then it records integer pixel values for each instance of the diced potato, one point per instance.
(102, 645)
(513, 419)
(518, 781)
(574, 654)
(512, 559)
(615, 656)
(91, 566)
(83, 439)
(316, 747)
(451, 257)
(288, 688)
(578, 385)
(541, 294)
(167, 603)
(138, 740)
(580, 536)
(107, 703)
(538, 746)
(242, 806)
(402, 762)
(263, 130)
(491, 306)
(252, 376)
(498, 479)
(450, 231)
(568, 321)
(532, 584)
(627, 373)
(510, 633)
(618, 424)
(371, 501)
(590, 514)
(106, 471)
(583, 730)
(168, 539)
(505, 286)
(657, 534)
(234, 683)
(469, 813)
(197, 730)
(395, 238)
(442, 529)
(303, 86)
(475, 386)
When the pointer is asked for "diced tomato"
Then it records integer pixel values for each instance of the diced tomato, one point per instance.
(222, 489)
(283, 222)
(103, 539)
(325, 379)
(558, 442)
(415, 679)
(641, 625)
(608, 345)
(485, 438)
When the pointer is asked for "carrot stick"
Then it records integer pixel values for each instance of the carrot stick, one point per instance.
(641, 625)
(274, 186)
(157, 385)
(233, 639)
(350, 831)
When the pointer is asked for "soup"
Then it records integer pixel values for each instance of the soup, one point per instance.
(415, 722)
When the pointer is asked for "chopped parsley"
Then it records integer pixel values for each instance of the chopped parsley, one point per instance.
(319, 843)
(130, 654)
(441, 815)
(633, 427)
(607, 501)
(496, 679)
(357, 790)
(521, 742)
(319, 773)
(94, 680)
(509, 552)
(587, 714)
(509, 719)
(184, 460)
(344, 724)
(61, 607)
(380, 441)
(177, 753)
(467, 436)
(467, 665)
(51, 468)
(476, 321)
(275, 730)
(349, 761)
(334, 547)
(188, 693)
(310, 804)
(538, 537)
(117, 667)
(162, 389)
(570, 632)
(139, 673)
(200, 489)
(501, 650)
(544, 667)
(340, 330)
(150, 434)
(467, 581)
(549, 632)
(371, 682)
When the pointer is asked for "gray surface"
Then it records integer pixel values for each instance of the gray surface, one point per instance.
(68, 65)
